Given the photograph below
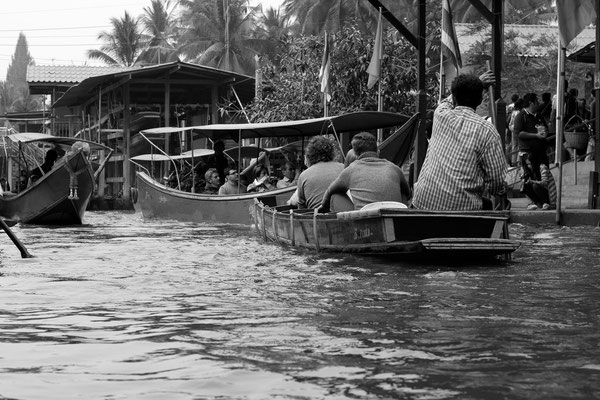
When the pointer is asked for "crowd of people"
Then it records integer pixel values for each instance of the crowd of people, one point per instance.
(530, 137)
(465, 166)
(219, 175)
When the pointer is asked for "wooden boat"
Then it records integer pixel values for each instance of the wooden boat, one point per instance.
(155, 200)
(61, 196)
(387, 230)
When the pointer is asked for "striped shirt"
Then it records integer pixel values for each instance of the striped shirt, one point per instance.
(464, 160)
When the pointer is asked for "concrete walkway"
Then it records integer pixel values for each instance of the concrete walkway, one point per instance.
(568, 217)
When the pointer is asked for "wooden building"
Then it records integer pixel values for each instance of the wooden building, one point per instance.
(112, 105)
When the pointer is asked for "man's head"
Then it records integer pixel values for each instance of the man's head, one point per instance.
(467, 90)
(514, 98)
(218, 147)
(363, 142)
(319, 149)
(289, 170)
(212, 177)
(231, 175)
(530, 101)
(51, 156)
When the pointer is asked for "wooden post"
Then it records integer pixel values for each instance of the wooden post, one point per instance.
(127, 142)
(421, 142)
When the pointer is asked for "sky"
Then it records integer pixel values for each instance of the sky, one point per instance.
(60, 32)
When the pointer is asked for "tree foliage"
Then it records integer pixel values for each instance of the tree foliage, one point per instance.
(14, 92)
(291, 89)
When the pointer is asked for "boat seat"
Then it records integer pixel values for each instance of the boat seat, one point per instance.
(371, 210)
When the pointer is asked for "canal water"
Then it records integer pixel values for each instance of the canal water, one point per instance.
(125, 308)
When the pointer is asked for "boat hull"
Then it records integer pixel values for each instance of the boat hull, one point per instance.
(49, 201)
(389, 232)
(154, 200)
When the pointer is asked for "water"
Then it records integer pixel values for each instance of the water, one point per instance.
(122, 308)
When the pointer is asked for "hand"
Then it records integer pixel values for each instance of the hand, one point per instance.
(323, 209)
(487, 78)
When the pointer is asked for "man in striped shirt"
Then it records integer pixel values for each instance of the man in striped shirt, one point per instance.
(465, 160)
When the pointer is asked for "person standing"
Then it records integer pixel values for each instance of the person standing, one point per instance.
(465, 159)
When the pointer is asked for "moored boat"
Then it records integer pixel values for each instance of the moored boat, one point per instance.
(388, 230)
(60, 196)
(156, 200)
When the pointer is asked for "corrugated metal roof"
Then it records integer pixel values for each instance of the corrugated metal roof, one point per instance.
(524, 35)
(82, 91)
(67, 74)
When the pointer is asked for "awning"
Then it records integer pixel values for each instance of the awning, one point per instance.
(586, 54)
(352, 122)
(30, 137)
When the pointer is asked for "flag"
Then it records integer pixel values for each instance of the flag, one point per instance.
(449, 42)
(374, 69)
(573, 17)
(325, 67)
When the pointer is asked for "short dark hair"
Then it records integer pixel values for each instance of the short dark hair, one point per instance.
(320, 149)
(363, 142)
(528, 99)
(219, 145)
(514, 97)
(51, 155)
(467, 90)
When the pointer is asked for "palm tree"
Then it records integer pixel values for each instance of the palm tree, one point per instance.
(315, 16)
(515, 11)
(219, 34)
(159, 33)
(122, 45)
(273, 26)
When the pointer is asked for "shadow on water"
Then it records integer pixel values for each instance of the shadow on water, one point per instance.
(123, 307)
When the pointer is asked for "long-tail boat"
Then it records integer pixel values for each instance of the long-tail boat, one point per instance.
(60, 196)
(155, 199)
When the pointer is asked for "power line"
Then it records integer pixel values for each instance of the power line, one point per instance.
(55, 29)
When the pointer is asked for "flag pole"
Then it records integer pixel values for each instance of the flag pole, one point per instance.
(560, 98)
(379, 108)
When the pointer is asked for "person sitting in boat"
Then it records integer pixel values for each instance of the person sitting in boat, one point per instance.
(465, 157)
(262, 181)
(290, 177)
(369, 179)
(212, 181)
(49, 160)
(320, 157)
(219, 160)
(232, 183)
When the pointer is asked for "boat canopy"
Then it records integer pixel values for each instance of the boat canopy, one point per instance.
(351, 122)
(31, 137)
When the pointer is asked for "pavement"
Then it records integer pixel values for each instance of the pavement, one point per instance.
(570, 214)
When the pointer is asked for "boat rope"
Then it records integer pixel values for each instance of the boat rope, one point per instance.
(315, 230)
(262, 220)
(275, 227)
(73, 180)
(292, 233)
